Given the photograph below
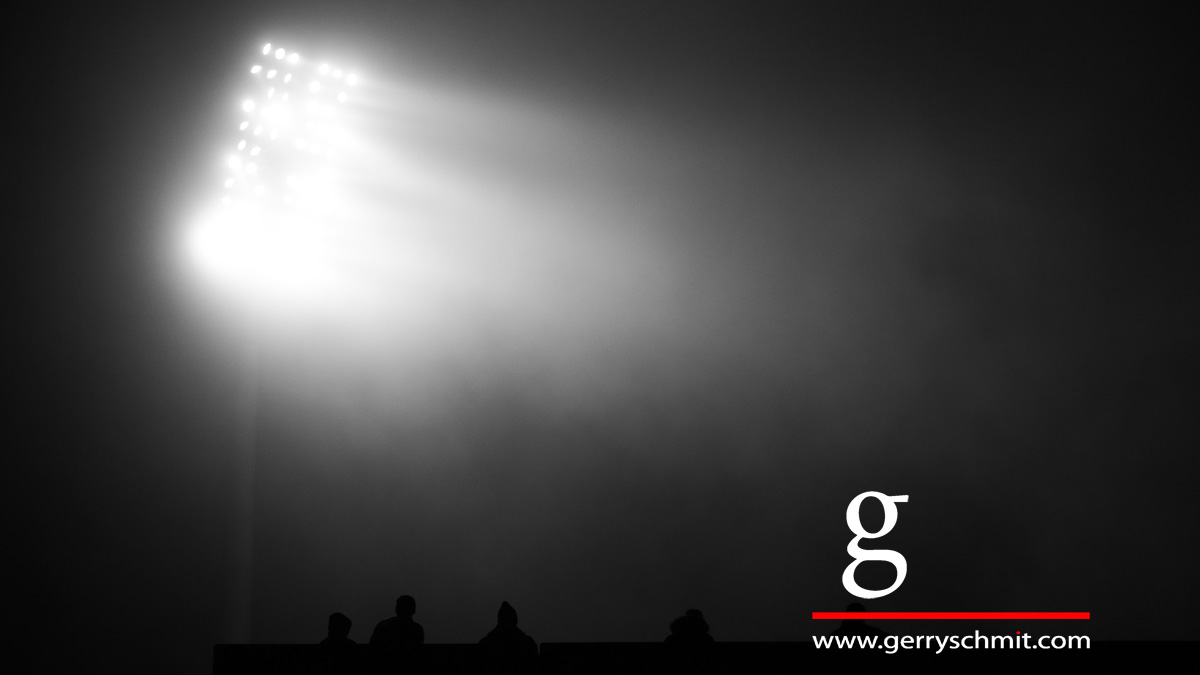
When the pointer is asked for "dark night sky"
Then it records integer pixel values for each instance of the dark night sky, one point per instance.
(756, 258)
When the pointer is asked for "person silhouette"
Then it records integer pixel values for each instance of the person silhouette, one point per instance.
(689, 630)
(857, 626)
(507, 644)
(339, 631)
(399, 632)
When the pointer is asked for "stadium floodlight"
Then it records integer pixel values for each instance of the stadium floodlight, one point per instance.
(278, 185)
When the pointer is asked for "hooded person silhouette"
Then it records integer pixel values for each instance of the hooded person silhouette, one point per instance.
(506, 643)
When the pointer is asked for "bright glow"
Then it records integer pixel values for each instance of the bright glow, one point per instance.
(301, 143)
(324, 69)
(294, 58)
(341, 97)
(285, 96)
(243, 126)
(337, 73)
(247, 248)
(352, 79)
(314, 87)
(279, 54)
(229, 182)
(248, 105)
(234, 162)
(256, 69)
(270, 92)
(251, 168)
(255, 150)
(258, 130)
(266, 49)
(271, 73)
(242, 144)
(287, 78)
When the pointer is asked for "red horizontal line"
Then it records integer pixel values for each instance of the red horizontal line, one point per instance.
(951, 615)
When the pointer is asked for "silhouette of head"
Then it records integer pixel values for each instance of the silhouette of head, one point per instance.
(339, 625)
(406, 606)
(855, 607)
(691, 623)
(507, 616)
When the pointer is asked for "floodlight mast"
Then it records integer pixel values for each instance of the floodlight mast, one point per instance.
(274, 192)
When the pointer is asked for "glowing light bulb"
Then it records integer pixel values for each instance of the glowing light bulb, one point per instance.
(279, 54)
(256, 69)
(266, 49)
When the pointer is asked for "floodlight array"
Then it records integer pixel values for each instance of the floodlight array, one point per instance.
(280, 201)
(289, 133)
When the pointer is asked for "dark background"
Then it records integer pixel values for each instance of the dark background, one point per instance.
(938, 250)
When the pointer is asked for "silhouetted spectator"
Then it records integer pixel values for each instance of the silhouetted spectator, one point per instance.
(399, 632)
(689, 630)
(857, 626)
(339, 631)
(506, 644)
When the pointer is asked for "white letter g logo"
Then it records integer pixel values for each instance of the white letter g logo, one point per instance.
(859, 554)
